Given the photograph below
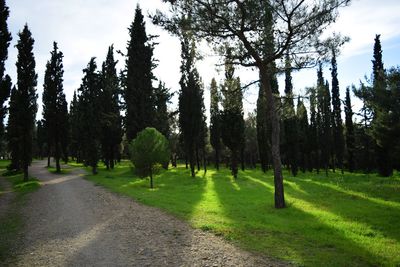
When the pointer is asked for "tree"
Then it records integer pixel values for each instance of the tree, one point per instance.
(5, 81)
(215, 121)
(303, 136)
(232, 115)
(76, 129)
(26, 96)
(147, 150)
(251, 143)
(13, 131)
(249, 26)
(162, 97)
(55, 111)
(191, 106)
(89, 107)
(350, 142)
(138, 90)
(290, 121)
(315, 122)
(110, 117)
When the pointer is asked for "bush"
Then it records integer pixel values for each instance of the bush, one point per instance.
(149, 150)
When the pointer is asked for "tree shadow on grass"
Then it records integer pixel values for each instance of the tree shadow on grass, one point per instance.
(296, 233)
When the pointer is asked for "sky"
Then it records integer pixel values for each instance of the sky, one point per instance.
(85, 29)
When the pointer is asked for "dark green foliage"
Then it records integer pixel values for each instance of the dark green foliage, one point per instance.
(313, 132)
(350, 138)
(324, 120)
(24, 107)
(89, 121)
(138, 89)
(232, 115)
(162, 119)
(263, 138)
(290, 140)
(191, 106)
(304, 140)
(337, 123)
(147, 150)
(251, 143)
(215, 121)
(55, 110)
(110, 117)
(75, 147)
(41, 139)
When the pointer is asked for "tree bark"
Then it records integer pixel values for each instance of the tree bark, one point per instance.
(217, 159)
(26, 174)
(265, 76)
(151, 178)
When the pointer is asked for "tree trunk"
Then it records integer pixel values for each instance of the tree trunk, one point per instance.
(234, 163)
(94, 169)
(265, 76)
(151, 178)
(204, 161)
(197, 159)
(242, 158)
(217, 159)
(48, 160)
(26, 174)
(58, 167)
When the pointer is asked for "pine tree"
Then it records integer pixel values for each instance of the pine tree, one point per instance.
(191, 106)
(5, 81)
(215, 121)
(26, 96)
(290, 121)
(138, 90)
(55, 111)
(314, 132)
(350, 142)
(89, 107)
(337, 123)
(110, 117)
(232, 115)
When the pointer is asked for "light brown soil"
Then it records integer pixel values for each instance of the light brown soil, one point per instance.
(71, 222)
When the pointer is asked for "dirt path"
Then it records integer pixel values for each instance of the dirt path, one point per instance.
(6, 196)
(71, 222)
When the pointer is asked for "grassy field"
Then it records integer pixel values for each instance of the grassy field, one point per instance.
(340, 220)
(11, 223)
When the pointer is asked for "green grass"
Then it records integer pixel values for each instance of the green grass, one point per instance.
(11, 222)
(338, 220)
(54, 170)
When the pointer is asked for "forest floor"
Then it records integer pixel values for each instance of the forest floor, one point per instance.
(71, 222)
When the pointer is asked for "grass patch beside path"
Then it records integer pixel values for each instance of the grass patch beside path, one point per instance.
(340, 220)
(11, 222)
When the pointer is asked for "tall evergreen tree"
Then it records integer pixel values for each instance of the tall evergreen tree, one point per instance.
(262, 131)
(55, 111)
(5, 81)
(232, 115)
(162, 119)
(290, 122)
(26, 96)
(89, 107)
(138, 90)
(350, 142)
(314, 133)
(110, 117)
(191, 106)
(337, 123)
(13, 131)
(303, 136)
(324, 120)
(75, 147)
(215, 121)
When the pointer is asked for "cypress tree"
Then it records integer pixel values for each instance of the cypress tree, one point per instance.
(89, 107)
(350, 139)
(232, 115)
(191, 106)
(303, 137)
(162, 97)
(337, 123)
(215, 121)
(138, 90)
(381, 123)
(13, 131)
(290, 122)
(55, 111)
(26, 106)
(314, 132)
(5, 81)
(110, 117)
(75, 147)
(41, 138)
(262, 131)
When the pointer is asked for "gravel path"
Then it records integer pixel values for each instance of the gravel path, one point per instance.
(71, 222)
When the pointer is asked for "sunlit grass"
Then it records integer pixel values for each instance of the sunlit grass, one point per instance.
(339, 220)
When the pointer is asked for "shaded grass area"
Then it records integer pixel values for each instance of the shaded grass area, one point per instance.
(11, 222)
(54, 170)
(339, 220)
